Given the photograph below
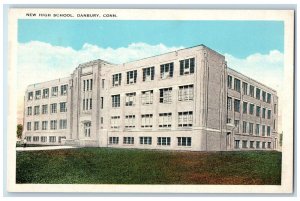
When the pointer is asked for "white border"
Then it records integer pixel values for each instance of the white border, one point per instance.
(159, 14)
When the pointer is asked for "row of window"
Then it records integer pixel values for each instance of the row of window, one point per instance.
(53, 108)
(185, 93)
(88, 85)
(252, 144)
(38, 94)
(44, 124)
(248, 128)
(264, 113)
(161, 141)
(185, 119)
(251, 90)
(44, 139)
(187, 66)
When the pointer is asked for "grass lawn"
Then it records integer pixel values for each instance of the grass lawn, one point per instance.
(132, 166)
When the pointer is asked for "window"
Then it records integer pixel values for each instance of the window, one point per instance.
(44, 109)
(128, 140)
(269, 114)
(53, 108)
(237, 85)
(115, 100)
(30, 95)
(165, 120)
(250, 128)
(245, 107)
(101, 106)
(52, 139)
(87, 129)
(87, 85)
(29, 111)
(53, 124)
(87, 104)
(275, 106)
(263, 113)
(36, 138)
(166, 70)
(257, 93)
(62, 124)
(229, 103)
(44, 125)
(251, 109)
(269, 145)
(263, 145)
(101, 120)
(229, 81)
(147, 120)
(117, 78)
(63, 107)
(36, 110)
(268, 131)
(38, 94)
(63, 90)
(130, 121)
(115, 122)
(103, 83)
(163, 141)
(84, 85)
(184, 141)
(252, 144)
(236, 144)
(244, 127)
(274, 124)
(29, 126)
(237, 105)
(186, 93)
(28, 138)
(263, 94)
(245, 88)
(91, 103)
(148, 74)
(268, 98)
(263, 129)
(185, 119)
(91, 84)
(54, 91)
(244, 143)
(113, 140)
(131, 77)
(147, 97)
(187, 66)
(251, 91)
(43, 139)
(257, 129)
(36, 125)
(228, 120)
(130, 99)
(257, 111)
(257, 144)
(237, 125)
(46, 93)
(146, 140)
(165, 95)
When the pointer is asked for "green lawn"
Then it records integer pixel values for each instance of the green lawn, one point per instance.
(131, 166)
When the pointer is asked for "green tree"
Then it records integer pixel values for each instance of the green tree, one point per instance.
(19, 130)
(280, 138)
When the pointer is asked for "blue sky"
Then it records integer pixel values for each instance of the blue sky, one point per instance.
(237, 38)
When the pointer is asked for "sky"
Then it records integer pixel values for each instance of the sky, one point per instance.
(49, 49)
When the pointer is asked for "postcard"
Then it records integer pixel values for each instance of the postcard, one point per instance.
(150, 100)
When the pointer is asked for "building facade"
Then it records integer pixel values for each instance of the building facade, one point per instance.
(183, 100)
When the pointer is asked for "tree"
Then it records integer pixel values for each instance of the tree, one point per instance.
(19, 131)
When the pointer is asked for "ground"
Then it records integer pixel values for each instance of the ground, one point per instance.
(132, 166)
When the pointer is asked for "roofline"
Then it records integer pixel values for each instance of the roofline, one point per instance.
(254, 80)
(47, 81)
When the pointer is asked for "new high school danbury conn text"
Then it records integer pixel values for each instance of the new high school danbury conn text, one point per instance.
(182, 100)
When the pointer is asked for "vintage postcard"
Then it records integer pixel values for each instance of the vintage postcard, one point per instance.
(153, 100)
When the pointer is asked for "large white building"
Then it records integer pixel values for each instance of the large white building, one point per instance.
(183, 100)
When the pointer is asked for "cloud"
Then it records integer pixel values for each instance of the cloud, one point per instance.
(39, 62)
